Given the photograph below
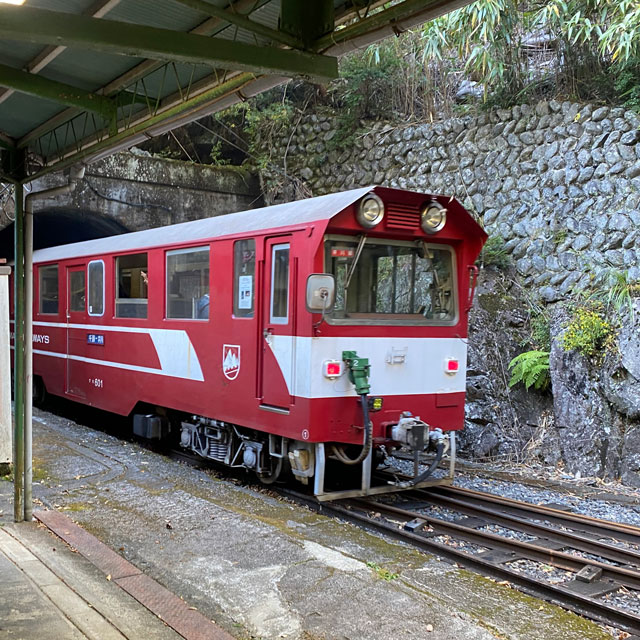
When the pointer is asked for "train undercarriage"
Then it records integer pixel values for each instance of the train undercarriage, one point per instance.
(320, 465)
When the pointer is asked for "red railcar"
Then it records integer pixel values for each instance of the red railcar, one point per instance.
(311, 335)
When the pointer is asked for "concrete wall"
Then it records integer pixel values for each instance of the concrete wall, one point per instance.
(141, 192)
(6, 448)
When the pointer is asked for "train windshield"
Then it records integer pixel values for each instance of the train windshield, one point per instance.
(390, 282)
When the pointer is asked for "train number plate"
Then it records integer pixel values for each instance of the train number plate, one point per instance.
(95, 338)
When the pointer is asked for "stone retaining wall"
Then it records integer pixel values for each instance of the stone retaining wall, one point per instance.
(560, 182)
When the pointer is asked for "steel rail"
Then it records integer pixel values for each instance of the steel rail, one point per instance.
(576, 541)
(589, 607)
(567, 561)
(587, 524)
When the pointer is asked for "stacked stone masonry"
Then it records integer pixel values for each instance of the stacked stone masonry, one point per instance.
(559, 182)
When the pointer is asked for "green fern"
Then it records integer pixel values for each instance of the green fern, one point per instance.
(532, 369)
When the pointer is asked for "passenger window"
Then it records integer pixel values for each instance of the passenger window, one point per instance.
(48, 289)
(280, 284)
(244, 267)
(132, 282)
(96, 288)
(77, 292)
(188, 283)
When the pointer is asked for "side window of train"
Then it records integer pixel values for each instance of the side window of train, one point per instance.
(77, 290)
(188, 283)
(48, 289)
(132, 286)
(244, 267)
(280, 284)
(96, 287)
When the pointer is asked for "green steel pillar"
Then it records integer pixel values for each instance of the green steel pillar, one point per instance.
(18, 354)
(307, 21)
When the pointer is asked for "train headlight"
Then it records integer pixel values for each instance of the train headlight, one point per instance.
(371, 211)
(433, 217)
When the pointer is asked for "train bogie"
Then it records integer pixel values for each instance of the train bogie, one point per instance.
(307, 336)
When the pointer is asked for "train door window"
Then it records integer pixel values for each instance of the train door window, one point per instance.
(244, 267)
(280, 284)
(48, 289)
(132, 286)
(77, 290)
(188, 283)
(96, 287)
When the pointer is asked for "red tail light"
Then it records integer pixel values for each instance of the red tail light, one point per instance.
(451, 366)
(332, 368)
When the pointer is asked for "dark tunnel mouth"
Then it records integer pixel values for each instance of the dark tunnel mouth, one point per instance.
(53, 227)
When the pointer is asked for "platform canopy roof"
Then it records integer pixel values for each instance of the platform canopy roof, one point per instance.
(80, 79)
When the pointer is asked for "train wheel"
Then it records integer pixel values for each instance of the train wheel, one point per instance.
(276, 470)
(38, 392)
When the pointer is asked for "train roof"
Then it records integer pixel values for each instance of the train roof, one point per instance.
(288, 214)
(281, 216)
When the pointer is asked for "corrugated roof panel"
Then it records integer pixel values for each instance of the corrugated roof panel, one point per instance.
(17, 54)
(268, 14)
(88, 70)
(164, 14)
(64, 6)
(19, 112)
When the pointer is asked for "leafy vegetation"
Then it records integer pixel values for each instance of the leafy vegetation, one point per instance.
(516, 50)
(618, 292)
(540, 330)
(494, 254)
(381, 572)
(588, 332)
(532, 369)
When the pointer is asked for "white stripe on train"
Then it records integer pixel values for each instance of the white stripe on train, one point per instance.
(399, 366)
(178, 358)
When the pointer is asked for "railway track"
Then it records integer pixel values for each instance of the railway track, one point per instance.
(594, 564)
(593, 559)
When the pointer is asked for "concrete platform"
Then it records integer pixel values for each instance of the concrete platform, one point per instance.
(51, 590)
(259, 566)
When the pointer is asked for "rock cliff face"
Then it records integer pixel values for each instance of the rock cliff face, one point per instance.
(560, 183)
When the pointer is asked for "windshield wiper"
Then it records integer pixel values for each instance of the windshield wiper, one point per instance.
(354, 264)
(352, 269)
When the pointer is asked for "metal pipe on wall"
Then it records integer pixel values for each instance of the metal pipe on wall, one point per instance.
(28, 360)
(27, 389)
(19, 358)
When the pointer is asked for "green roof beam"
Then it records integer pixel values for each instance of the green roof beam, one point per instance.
(6, 142)
(380, 19)
(41, 87)
(243, 22)
(40, 26)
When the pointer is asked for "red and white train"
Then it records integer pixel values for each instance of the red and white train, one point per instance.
(314, 336)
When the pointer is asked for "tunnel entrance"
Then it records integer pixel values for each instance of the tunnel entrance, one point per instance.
(54, 227)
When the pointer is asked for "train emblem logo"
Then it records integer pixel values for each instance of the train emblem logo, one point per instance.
(231, 361)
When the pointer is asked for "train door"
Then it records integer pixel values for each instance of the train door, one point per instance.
(76, 313)
(278, 344)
